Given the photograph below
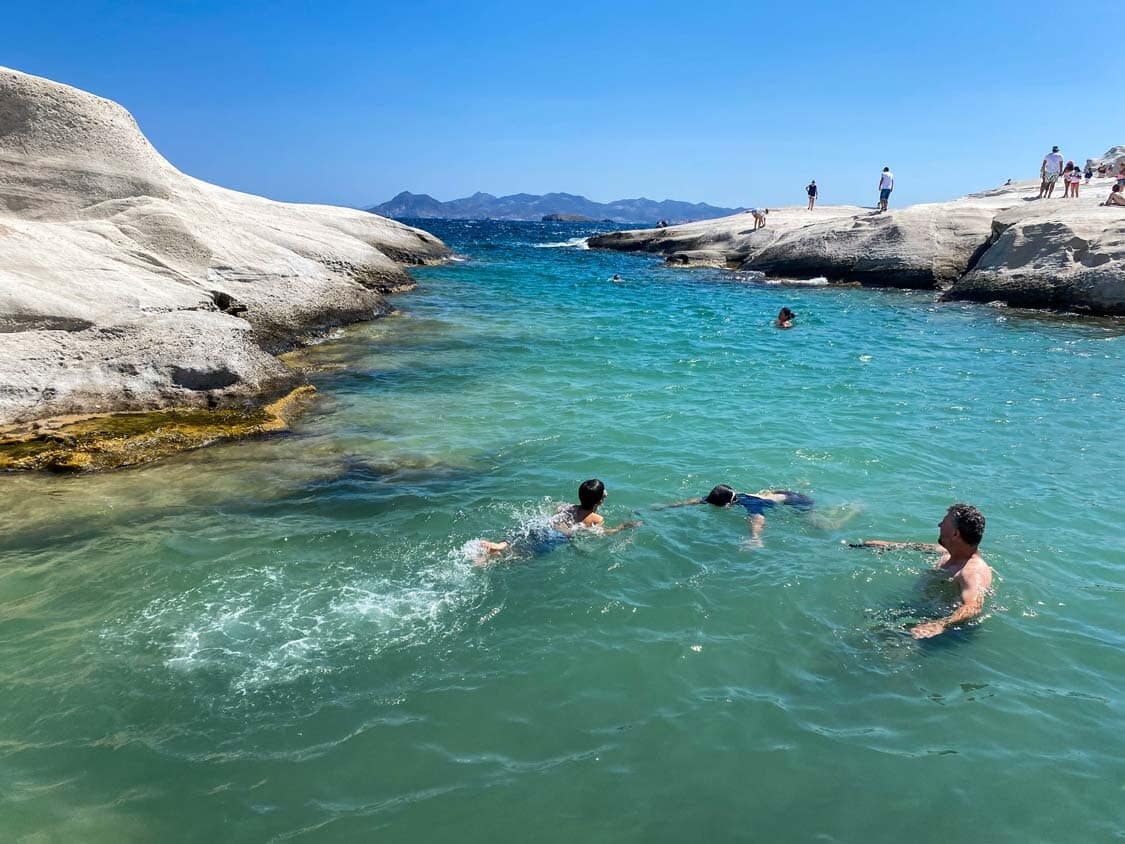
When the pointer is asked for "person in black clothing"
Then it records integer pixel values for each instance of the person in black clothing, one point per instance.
(810, 189)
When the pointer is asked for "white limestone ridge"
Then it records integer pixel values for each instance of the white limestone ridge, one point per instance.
(126, 284)
(1002, 244)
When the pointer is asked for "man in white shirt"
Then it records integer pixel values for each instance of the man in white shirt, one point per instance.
(1049, 171)
(886, 185)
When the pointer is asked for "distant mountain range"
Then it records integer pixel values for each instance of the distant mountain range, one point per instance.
(526, 206)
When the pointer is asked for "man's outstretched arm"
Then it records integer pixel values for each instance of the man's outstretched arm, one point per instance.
(913, 546)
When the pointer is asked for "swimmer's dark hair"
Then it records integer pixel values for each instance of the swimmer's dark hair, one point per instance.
(786, 314)
(969, 522)
(721, 496)
(591, 493)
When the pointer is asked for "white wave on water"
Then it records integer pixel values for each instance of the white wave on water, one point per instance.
(819, 281)
(573, 243)
(268, 626)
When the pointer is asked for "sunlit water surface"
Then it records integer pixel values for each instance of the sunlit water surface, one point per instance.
(287, 639)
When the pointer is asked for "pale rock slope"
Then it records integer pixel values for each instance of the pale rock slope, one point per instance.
(127, 285)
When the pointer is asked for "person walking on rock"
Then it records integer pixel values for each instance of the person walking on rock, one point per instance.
(886, 185)
(1049, 171)
(810, 189)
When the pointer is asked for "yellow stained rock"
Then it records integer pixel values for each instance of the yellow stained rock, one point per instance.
(112, 441)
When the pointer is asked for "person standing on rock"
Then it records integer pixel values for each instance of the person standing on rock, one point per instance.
(810, 189)
(886, 185)
(1049, 171)
(1074, 179)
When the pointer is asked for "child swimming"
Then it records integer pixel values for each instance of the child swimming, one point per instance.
(558, 530)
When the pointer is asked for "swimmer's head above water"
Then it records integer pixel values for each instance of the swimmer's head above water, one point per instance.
(591, 493)
(962, 522)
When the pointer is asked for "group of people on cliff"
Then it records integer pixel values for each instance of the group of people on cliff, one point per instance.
(1053, 169)
(959, 535)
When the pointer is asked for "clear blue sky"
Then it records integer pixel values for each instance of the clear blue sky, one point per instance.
(732, 103)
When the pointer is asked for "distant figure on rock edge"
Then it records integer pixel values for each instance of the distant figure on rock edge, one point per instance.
(1074, 179)
(811, 190)
(759, 217)
(886, 185)
(785, 318)
(1049, 172)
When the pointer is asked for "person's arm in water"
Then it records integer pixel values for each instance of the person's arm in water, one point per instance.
(596, 521)
(677, 504)
(973, 588)
(888, 546)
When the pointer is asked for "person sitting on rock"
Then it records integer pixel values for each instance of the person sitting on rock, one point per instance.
(754, 503)
(1116, 195)
(785, 318)
(759, 217)
(557, 530)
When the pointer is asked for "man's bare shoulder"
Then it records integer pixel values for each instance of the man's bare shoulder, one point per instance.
(977, 573)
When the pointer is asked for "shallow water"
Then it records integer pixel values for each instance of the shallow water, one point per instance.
(287, 640)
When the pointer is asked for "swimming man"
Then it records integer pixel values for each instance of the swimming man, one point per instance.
(959, 534)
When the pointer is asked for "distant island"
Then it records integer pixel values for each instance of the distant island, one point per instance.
(554, 206)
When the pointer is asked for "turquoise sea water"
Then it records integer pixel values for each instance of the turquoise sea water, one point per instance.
(286, 640)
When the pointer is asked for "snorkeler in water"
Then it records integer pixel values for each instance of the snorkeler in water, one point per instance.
(755, 503)
(559, 528)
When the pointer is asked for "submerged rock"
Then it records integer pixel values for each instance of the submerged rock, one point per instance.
(113, 441)
(126, 285)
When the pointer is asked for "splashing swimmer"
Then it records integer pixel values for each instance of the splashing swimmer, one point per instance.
(559, 528)
(959, 534)
(754, 503)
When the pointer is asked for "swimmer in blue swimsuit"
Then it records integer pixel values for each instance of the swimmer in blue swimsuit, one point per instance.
(541, 538)
(755, 504)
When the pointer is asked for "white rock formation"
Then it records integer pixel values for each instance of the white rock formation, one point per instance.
(1002, 244)
(125, 284)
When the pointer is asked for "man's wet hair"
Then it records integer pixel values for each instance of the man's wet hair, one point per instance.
(969, 522)
(591, 493)
(720, 496)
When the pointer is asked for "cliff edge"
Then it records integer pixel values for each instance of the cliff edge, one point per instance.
(126, 285)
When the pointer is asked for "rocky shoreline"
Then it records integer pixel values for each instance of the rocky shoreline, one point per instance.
(997, 245)
(128, 287)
